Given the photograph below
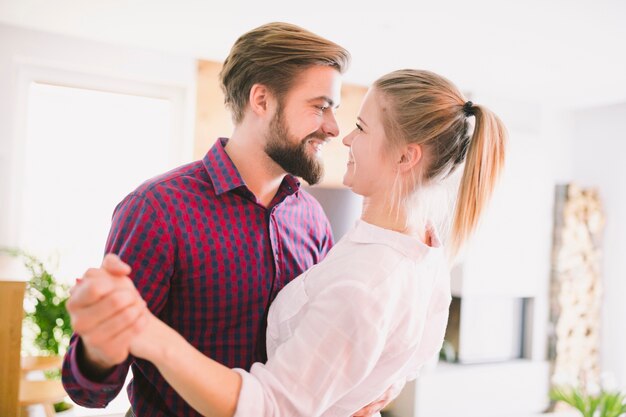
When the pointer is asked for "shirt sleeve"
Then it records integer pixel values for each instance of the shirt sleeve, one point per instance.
(86, 392)
(334, 348)
(141, 238)
(327, 240)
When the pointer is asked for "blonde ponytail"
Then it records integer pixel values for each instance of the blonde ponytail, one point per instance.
(424, 108)
(483, 165)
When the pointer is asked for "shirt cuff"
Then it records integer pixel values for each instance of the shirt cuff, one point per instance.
(251, 401)
(109, 383)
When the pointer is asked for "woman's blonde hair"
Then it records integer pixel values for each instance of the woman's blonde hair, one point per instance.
(274, 55)
(424, 108)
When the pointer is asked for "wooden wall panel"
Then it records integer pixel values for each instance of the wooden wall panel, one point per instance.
(212, 118)
(11, 314)
(576, 284)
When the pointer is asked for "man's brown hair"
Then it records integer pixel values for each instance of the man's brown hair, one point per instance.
(274, 55)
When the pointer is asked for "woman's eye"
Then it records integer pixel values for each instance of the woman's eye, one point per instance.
(359, 127)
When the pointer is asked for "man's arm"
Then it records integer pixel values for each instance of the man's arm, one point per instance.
(106, 313)
(104, 309)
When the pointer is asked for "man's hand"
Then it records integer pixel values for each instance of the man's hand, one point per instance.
(381, 402)
(106, 312)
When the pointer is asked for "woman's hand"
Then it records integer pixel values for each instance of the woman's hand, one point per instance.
(371, 409)
(142, 338)
(151, 342)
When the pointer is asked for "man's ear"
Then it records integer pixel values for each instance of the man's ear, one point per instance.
(411, 156)
(261, 99)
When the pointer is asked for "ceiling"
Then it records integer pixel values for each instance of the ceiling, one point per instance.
(550, 52)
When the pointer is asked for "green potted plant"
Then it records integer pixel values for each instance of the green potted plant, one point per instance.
(47, 326)
(591, 400)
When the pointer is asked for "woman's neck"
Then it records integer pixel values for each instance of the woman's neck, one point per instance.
(379, 212)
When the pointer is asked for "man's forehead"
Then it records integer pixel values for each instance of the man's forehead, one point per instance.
(319, 81)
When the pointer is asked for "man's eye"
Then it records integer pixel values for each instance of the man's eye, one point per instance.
(322, 108)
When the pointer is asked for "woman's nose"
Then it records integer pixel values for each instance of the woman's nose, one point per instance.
(347, 140)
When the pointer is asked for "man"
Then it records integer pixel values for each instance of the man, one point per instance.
(212, 242)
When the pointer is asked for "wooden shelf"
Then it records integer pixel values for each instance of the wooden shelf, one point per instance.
(40, 363)
(39, 392)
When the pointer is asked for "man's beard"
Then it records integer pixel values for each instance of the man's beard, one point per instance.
(293, 158)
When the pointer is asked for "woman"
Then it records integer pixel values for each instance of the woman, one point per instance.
(376, 308)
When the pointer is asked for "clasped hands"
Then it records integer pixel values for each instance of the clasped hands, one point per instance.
(110, 316)
(113, 321)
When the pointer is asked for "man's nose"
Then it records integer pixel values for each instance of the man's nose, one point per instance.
(330, 126)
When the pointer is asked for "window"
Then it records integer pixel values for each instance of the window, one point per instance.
(84, 151)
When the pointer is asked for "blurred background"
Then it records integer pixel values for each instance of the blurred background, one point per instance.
(98, 96)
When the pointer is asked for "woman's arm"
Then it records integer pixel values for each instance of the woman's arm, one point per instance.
(334, 349)
(209, 387)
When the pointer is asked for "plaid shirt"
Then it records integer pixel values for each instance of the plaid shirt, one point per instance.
(209, 260)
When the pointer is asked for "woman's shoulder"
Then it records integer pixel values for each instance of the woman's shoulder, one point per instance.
(362, 262)
(377, 270)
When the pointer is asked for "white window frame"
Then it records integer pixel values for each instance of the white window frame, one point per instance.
(28, 72)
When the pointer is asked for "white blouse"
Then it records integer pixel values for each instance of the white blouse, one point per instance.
(344, 331)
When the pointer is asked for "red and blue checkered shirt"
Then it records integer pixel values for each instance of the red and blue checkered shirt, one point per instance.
(209, 259)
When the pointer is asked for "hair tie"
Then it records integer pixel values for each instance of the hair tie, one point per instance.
(468, 109)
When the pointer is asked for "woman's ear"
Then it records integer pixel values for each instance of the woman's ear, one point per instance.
(410, 157)
(260, 99)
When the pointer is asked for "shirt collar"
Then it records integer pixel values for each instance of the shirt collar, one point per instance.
(410, 246)
(290, 184)
(225, 176)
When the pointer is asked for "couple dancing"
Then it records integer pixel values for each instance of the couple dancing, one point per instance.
(226, 294)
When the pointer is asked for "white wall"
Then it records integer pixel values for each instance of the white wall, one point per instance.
(510, 254)
(531, 49)
(599, 157)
